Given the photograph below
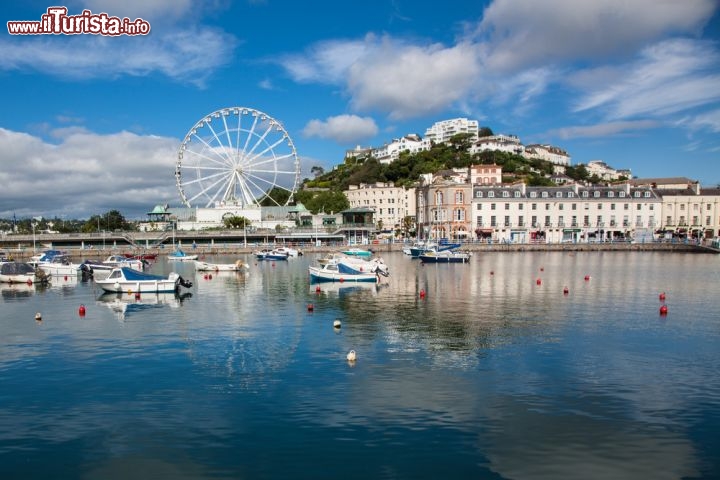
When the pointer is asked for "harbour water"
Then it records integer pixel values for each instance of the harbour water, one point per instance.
(479, 370)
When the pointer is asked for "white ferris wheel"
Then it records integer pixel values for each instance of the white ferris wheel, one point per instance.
(236, 156)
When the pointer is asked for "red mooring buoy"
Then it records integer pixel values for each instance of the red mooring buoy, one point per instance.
(662, 296)
(566, 291)
(587, 277)
(81, 310)
(538, 281)
(663, 310)
(422, 293)
(310, 307)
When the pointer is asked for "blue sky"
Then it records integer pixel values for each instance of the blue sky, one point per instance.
(92, 123)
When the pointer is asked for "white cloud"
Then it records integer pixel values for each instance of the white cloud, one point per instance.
(525, 33)
(409, 81)
(86, 174)
(342, 128)
(709, 120)
(189, 55)
(603, 130)
(668, 78)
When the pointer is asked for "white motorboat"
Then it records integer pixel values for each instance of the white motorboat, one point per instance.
(59, 266)
(22, 272)
(180, 256)
(124, 279)
(238, 266)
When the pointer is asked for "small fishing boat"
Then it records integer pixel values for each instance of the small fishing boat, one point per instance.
(330, 273)
(58, 265)
(291, 252)
(267, 254)
(445, 256)
(238, 266)
(180, 256)
(22, 272)
(124, 279)
(358, 252)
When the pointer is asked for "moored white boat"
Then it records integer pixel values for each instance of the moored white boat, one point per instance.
(358, 252)
(330, 273)
(238, 266)
(22, 272)
(124, 279)
(445, 256)
(59, 266)
(291, 252)
(267, 254)
(180, 256)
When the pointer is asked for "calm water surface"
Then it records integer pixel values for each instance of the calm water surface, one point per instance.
(493, 373)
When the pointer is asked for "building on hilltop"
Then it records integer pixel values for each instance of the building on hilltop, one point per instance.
(441, 132)
(502, 143)
(390, 152)
(604, 171)
(551, 154)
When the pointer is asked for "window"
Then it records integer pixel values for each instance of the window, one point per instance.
(507, 220)
(533, 220)
(611, 194)
(479, 205)
(574, 206)
(561, 221)
(492, 206)
(647, 194)
(626, 206)
(585, 194)
(506, 193)
(612, 206)
(491, 194)
(547, 206)
(558, 194)
(639, 206)
(544, 194)
(459, 214)
(493, 221)
(459, 197)
(621, 194)
(533, 206)
(520, 206)
(438, 198)
(517, 194)
(571, 194)
(596, 194)
(478, 194)
(507, 206)
(561, 206)
(533, 194)
(547, 220)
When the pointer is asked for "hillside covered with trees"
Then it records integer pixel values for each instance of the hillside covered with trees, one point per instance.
(324, 192)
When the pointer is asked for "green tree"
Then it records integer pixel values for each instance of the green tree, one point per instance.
(317, 170)
(276, 196)
(236, 221)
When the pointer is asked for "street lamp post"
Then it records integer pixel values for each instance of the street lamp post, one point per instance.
(33, 229)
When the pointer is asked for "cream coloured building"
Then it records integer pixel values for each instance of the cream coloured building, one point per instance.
(573, 213)
(391, 204)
